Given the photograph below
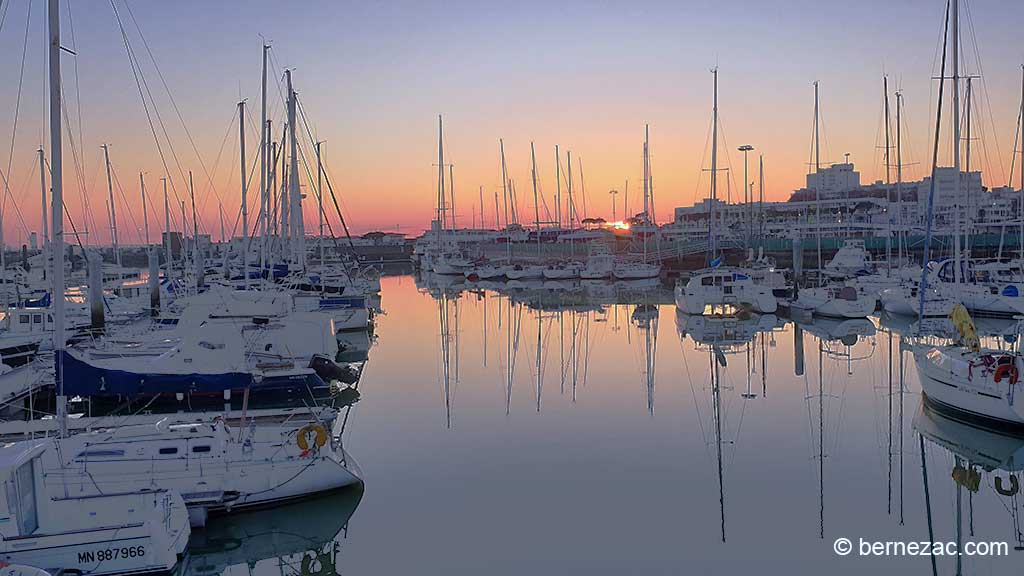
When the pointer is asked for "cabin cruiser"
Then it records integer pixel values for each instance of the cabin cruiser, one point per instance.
(905, 300)
(126, 532)
(723, 286)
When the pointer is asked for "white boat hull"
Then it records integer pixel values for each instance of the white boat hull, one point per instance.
(949, 380)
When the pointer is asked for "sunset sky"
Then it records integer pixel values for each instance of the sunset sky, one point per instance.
(373, 76)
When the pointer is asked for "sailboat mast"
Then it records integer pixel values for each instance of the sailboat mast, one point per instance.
(113, 212)
(899, 175)
(46, 225)
(264, 133)
(888, 238)
(504, 191)
(1020, 214)
(817, 182)
(558, 187)
(57, 210)
(297, 228)
(712, 243)
(571, 208)
(440, 182)
(958, 272)
(536, 201)
(760, 194)
(145, 213)
(320, 199)
(168, 261)
(197, 254)
(245, 203)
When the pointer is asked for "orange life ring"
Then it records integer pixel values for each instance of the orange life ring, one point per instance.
(1006, 370)
(319, 441)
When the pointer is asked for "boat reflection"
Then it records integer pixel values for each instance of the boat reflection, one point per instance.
(984, 462)
(299, 539)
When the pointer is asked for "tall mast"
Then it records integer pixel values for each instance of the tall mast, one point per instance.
(264, 134)
(712, 240)
(145, 211)
(168, 260)
(504, 190)
(46, 225)
(760, 197)
(536, 202)
(899, 176)
(113, 212)
(1020, 211)
(320, 199)
(440, 182)
(888, 238)
(967, 170)
(817, 182)
(957, 272)
(57, 210)
(571, 208)
(197, 254)
(245, 203)
(297, 227)
(558, 185)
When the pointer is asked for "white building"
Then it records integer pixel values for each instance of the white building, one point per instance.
(834, 180)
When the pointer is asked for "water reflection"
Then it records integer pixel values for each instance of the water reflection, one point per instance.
(727, 445)
(299, 539)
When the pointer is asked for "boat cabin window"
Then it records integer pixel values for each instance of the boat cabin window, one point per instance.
(37, 318)
(707, 281)
(100, 454)
(24, 319)
(198, 449)
(25, 480)
(169, 450)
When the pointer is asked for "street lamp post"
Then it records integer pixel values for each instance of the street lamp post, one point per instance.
(613, 194)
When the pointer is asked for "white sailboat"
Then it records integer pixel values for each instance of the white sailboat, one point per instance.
(838, 301)
(964, 379)
(102, 535)
(717, 285)
(641, 269)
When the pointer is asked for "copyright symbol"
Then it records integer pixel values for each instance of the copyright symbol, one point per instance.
(842, 546)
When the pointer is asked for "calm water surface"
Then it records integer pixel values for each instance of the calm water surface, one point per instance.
(600, 432)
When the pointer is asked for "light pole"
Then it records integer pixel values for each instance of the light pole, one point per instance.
(746, 188)
(613, 194)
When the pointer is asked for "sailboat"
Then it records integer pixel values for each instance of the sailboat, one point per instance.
(104, 534)
(964, 379)
(835, 300)
(641, 269)
(717, 285)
